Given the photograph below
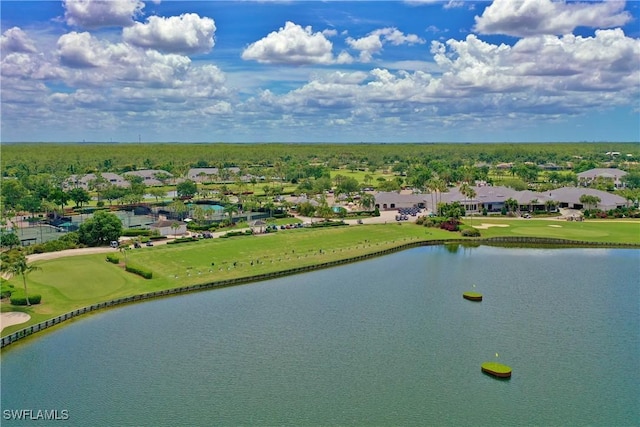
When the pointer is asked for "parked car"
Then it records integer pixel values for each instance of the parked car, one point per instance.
(149, 243)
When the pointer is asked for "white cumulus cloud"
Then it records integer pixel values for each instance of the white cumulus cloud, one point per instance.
(373, 42)
(100, 13)
(187, 34)
(16, 40)
(291, 44)
(522, 18)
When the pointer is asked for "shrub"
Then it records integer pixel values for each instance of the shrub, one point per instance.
(18, 298)
(471, 232)
(451, 224)
(113, 259)
(6, 290)
(139, 271)
(433, 222)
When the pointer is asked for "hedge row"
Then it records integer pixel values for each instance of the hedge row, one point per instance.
(327, 224)
(139, 271)
(113, 259)
(182, 240)
(129, 232)
(237, 233)
(18, 298)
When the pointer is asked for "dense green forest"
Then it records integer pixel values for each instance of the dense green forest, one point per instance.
(66, 159)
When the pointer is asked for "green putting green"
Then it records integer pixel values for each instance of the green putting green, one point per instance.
(496, 369)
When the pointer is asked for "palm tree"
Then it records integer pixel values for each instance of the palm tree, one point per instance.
(589, 200)
(471, 194)
(199, 214)
(511, 204)
(440, 187)
(175, 225)
(231, 209)
(270, 206)
(16, 263)
(464, 190)
(431, 186)
(367, 201)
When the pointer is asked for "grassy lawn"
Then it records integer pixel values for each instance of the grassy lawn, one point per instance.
(610, 231)
(74, 282)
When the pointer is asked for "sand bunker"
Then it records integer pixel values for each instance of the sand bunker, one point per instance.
(555, 226)
(484, 226)
(12, 318)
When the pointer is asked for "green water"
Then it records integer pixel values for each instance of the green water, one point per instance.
(384, 342)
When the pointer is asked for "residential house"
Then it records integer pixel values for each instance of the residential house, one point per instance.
(76, 181)
(390, 200)
(169, 227)
(493, 199)
(211, 174)
(587, 177)
(150, 176)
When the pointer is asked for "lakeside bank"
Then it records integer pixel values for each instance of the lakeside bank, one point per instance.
(493, 241)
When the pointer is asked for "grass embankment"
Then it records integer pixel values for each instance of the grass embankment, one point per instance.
(74, 282)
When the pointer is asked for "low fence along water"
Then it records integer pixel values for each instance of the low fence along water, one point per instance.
(29, 330)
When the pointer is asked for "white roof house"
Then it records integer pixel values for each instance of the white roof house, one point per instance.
(150, 176)
(493, 199)
(169, 227)
(84, 181)
(208, 174)
(388, 200)
(586, 177)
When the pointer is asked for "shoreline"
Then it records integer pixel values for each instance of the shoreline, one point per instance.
(509, 241)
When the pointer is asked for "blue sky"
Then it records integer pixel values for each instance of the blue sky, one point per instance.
(311, 71)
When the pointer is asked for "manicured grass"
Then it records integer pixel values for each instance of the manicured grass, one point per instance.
(497, 369)
(473, 296)
(74, 282)
(609, 231)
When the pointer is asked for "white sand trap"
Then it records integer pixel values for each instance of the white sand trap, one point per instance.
(12, 318)
(484, 226)
(555, 226)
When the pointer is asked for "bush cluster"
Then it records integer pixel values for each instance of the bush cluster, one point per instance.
(66, 241)
(113, 259)
(18, 298)
(451, 224)
(139, 271)
(6, 289)
(471, 232)
(204, 227)
(431, 222)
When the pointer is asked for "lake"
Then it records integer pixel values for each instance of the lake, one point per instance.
(388, 341)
